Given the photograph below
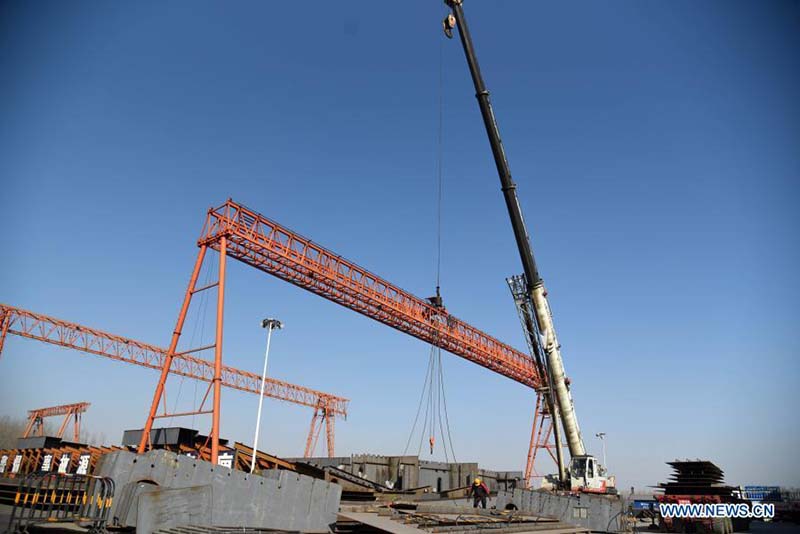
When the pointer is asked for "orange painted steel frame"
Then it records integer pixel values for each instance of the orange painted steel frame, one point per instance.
(541, 434)
(173, 344)
(236, 231)
(322, 415)
(261, 243)
(321, 418)
(58, 332)
(216, 381)
(218, 353)
(69, 411)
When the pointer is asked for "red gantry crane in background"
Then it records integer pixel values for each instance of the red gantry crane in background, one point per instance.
(58, 332)
(236, 231)
(69, 411)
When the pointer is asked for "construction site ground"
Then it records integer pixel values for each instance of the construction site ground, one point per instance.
(357, 518)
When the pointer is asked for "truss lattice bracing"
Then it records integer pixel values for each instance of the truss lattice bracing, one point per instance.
(54, 331)
(235, 231)
(262, 243)
(26, 324)
(251, 238)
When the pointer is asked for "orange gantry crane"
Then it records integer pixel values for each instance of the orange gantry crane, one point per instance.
(54, 331)
(69, 411)
(243, 234)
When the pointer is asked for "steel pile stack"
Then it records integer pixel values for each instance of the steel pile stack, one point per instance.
(695, 477)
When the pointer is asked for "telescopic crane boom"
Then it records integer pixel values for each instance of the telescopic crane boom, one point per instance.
(557, 391)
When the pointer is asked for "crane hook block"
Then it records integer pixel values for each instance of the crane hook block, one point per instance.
(448, 24)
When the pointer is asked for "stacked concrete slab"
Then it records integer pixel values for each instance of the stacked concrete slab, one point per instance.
(161, 489)
(598, 513)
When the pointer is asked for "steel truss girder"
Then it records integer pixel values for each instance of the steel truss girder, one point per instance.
(262, 243)
(69, 411)
(58, 332)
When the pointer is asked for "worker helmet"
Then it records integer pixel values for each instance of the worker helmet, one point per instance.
(478, 481)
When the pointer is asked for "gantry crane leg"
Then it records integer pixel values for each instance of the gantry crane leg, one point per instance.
(5, 320)
(542, 437)
(214, 435)
(313, 433)
(533, 447)
(323, 416)
(330, 422)
(76, 428)
(63, 426)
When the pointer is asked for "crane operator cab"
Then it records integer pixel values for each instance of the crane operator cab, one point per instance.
(587, 475)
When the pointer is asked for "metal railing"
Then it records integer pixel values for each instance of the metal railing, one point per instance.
(59, 498)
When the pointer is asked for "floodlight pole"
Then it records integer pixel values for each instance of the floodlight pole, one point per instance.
(602, 436)
(270, 325)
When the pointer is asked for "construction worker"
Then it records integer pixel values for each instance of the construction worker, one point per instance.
(479, 492)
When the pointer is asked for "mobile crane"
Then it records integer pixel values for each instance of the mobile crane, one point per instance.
(585, 474)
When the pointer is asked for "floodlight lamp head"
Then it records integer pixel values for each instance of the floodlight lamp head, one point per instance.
(272, 324)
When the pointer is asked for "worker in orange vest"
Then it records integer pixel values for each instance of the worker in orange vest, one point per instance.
(479, 492)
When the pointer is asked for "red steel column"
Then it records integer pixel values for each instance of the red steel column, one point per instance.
(223, 246)
(313, 433)
(5, 320)
(63, 425)
(534, 442)
(29, 426)
(173, 344)
(329, 431)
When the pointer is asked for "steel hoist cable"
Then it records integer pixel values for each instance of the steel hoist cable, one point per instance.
(439, 173)
(441, 398)
(419, 408)
(433, 393)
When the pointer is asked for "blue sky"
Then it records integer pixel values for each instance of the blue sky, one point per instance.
(655, 146)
